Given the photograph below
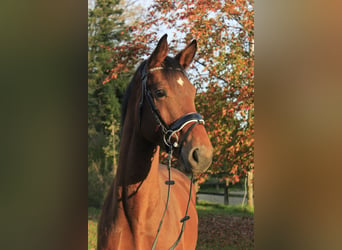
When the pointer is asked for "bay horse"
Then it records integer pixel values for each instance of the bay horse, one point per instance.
(146, 203)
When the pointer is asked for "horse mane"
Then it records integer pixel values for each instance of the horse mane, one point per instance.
(127, 95)
(110, 207)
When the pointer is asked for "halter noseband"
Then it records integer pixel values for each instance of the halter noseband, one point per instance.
(168, 130)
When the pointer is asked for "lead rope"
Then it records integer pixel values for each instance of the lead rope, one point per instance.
(185, 218)
(170, 182)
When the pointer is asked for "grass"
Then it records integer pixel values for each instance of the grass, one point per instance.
(93, 215)
(209, 239)
(92, 234)
(204, 207)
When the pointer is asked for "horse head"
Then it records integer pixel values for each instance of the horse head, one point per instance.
(167, 113)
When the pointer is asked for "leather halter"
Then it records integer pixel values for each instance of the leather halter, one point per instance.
(168, 131)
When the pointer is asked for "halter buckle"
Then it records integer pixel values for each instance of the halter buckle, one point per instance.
(170, 182)
(185, 218)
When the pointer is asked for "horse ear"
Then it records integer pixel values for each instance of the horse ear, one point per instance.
(159, 53)
(186, 55)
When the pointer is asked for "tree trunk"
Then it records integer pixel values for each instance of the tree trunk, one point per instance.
(250, 189)
(226, 194)
(114, 151)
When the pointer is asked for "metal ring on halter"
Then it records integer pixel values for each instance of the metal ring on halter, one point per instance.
(168, 140)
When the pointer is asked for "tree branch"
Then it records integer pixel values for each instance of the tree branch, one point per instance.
(218, 77)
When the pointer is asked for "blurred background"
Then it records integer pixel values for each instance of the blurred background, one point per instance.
(123, 33)
(46, 85)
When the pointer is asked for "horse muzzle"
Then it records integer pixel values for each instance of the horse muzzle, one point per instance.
(197, 152)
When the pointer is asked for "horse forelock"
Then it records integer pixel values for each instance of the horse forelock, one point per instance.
(171, 67)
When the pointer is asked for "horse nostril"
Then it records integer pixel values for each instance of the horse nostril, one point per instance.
(195, 155)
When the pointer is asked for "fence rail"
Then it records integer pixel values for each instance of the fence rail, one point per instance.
(229, 195)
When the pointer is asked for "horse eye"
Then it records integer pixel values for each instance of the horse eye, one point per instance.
(159, 93)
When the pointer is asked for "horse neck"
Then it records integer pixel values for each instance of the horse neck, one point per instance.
(138, 158)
